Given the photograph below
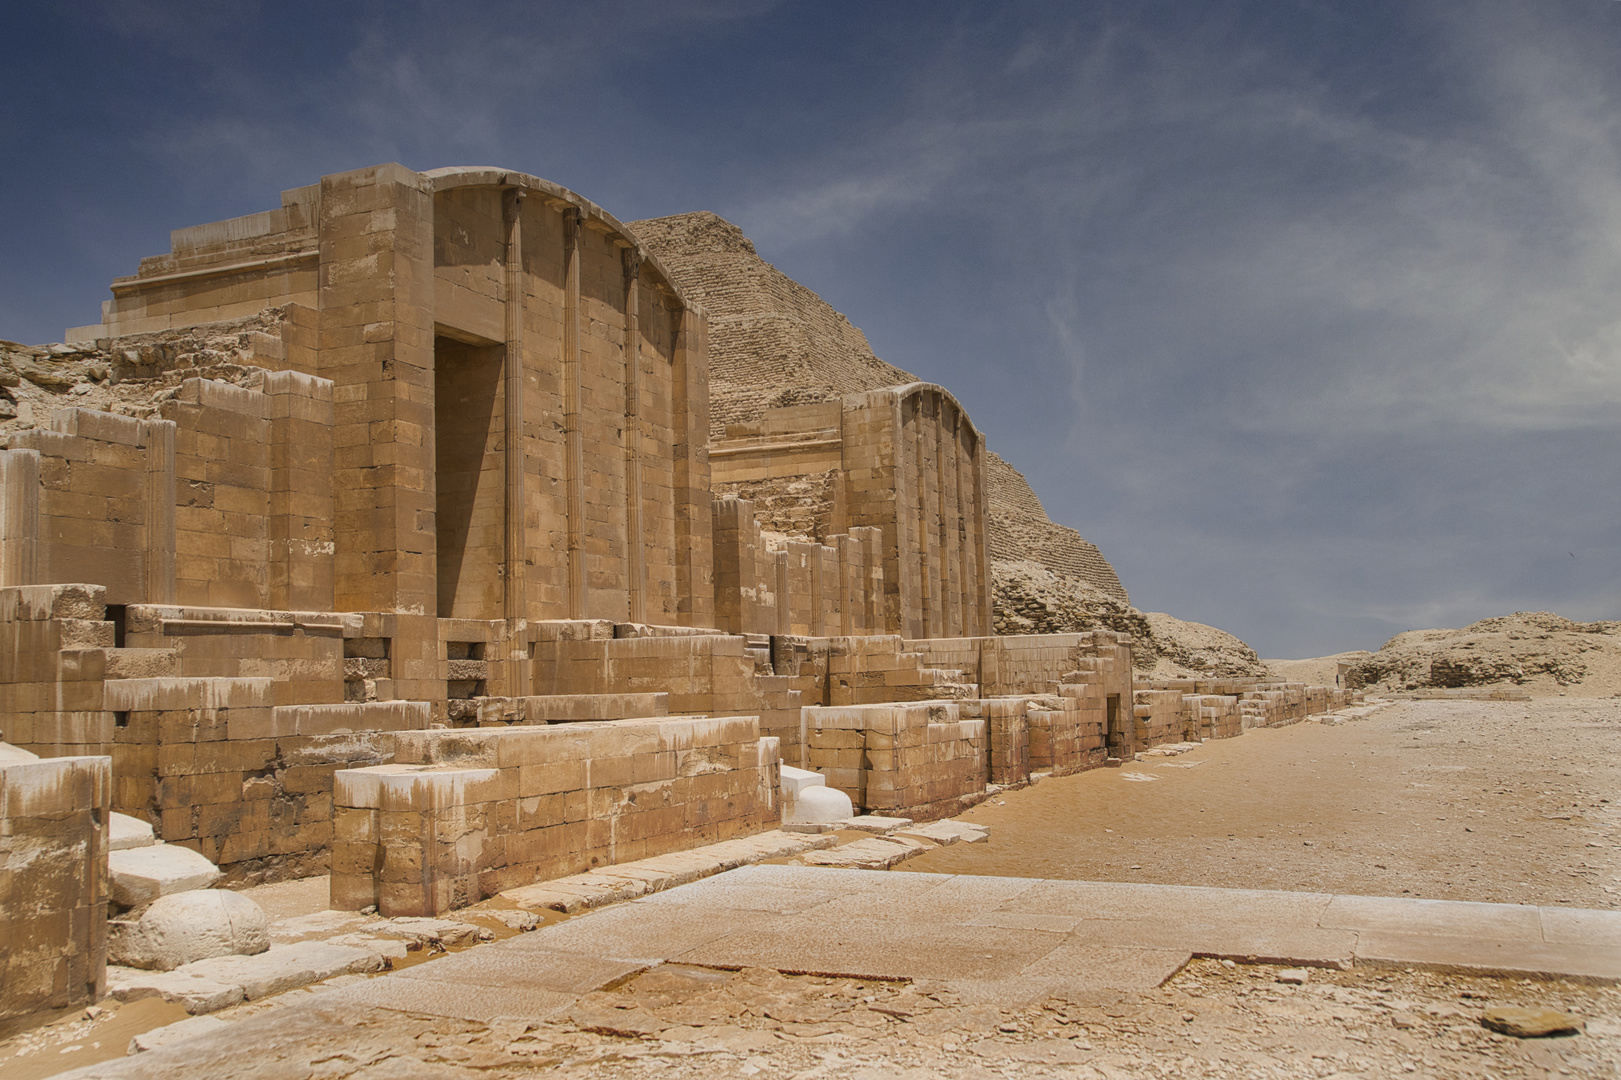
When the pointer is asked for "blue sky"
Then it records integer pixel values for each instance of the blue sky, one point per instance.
(1308, 313)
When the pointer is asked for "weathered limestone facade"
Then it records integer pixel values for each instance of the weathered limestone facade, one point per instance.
(53, 883)
(417, 453)
(906, 461)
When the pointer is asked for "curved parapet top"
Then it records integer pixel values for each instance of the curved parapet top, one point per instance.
(906, 390)
(463, 176)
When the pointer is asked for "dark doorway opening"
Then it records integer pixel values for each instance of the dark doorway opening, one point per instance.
(469, 499)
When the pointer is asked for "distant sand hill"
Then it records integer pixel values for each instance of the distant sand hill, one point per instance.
(1534, 650)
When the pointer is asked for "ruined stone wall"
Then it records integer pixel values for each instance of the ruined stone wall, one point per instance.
(709, 674)
(1034, 664)
(53, 884)
(802, 507)
(464, 815)
(922, 760)
(775, 345)
(53, 653)
(597, 457)
(793, 588)
(1158, 717)
(216, 767)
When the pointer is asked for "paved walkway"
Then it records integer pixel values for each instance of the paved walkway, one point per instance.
(996, 940)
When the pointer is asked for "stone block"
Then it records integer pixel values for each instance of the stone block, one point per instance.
(141, 875)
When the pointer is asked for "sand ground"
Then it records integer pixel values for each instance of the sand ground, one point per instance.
(1503, 802)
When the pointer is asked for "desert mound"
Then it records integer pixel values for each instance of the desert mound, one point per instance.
(1535, 650)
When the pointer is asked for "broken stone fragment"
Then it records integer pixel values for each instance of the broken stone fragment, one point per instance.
(45, 377)
(1531, 1023)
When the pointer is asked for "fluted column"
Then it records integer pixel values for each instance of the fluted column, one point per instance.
(634, 572)
(513, 553)
(573, 436)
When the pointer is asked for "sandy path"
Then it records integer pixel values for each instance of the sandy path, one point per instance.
(1506, 802)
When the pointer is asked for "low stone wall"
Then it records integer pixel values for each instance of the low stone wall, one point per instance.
(715, 674)
(923, 760)
(568, 708)
(1033, 663)
(213, 765)
(53, 884)
(1221, 708)
(1158, 717)
(52, 662)
(880, 669)
(1007, 737)
(464, 814)
(1213, 716)
(1067, 729)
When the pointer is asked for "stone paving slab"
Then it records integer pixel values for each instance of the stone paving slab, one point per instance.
(531, 969)
(996, 941)
(1490, 922)
(627, 881)
(461, 1001)
(1097, 966)
(878, 950)
(1518, 958)
(1580, 926)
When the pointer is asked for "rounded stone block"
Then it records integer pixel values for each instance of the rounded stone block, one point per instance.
(817, 805)
(188, 926)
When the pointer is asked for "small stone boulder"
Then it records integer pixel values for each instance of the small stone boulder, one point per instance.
(188, 926)
(1531, 1023)
(141, 875)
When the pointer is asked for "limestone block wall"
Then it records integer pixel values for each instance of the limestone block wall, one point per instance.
(222, 270)
(53, 642)
(908, 463)
(1007, 737)
(567, 708)
(801, 589)
(226, 501)
(53, 884)
(1263, 708)
(1067, 729)
(300, 652)
(463, 815)
(253, 487)
(871, 670)
(923, 760)
(1158, 717)
(713, 674)
(216, 766)
(1033, 663)
(90, 499)
(1212, 716)
(915, 468)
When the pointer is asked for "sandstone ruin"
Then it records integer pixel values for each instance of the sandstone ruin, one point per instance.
(442, 533)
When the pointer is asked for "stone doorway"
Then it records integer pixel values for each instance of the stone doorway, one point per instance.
(1114, 731)
(469, 499)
